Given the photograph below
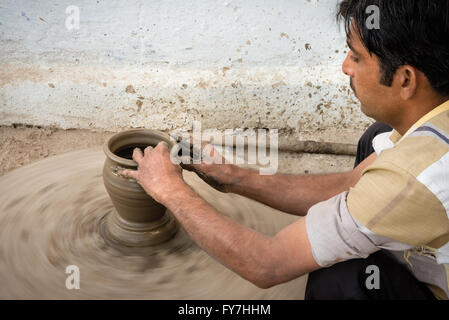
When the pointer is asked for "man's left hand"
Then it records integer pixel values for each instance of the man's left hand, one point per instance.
(156, 173)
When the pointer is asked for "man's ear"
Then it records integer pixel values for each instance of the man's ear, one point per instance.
(406, 78)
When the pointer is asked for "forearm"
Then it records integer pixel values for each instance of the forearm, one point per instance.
(294, 194)
(241, 249)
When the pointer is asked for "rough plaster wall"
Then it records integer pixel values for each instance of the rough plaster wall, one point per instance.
(162, 64)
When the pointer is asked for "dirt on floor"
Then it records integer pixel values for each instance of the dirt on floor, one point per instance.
(22, 145)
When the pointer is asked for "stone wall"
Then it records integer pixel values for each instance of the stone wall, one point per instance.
(163, 64)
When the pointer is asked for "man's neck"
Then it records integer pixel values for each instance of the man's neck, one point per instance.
(414, 113)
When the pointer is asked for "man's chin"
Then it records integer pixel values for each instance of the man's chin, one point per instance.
(365, 111)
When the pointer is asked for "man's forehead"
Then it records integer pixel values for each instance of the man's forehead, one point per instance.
(353, 37)
(354, 42)
(351, 44)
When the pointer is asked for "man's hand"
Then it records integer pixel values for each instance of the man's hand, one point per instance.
(156, 173)
(214, 171)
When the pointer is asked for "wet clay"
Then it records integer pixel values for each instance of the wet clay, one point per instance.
(138, 220)
(53, 214)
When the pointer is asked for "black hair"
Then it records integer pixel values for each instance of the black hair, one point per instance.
(411, 32)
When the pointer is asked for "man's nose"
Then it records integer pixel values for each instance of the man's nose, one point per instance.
(347, 66)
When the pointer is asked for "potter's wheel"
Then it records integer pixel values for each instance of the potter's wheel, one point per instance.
(52, 214)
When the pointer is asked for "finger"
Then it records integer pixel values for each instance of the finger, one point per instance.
(207, 156)
(148, 150)
(127, 173)
(163, 144)
(212, 155)
(137, 155)
(208, 148)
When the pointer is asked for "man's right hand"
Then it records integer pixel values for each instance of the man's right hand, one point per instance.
(294, 194)
(214, 171)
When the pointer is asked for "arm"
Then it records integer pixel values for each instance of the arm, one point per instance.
(262, 260)
(294, 194)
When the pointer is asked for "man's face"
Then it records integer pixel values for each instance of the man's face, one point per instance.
(364, 72)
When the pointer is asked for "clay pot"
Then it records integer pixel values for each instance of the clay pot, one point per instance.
(139, 220)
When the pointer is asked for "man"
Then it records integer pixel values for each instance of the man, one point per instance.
(397, 199)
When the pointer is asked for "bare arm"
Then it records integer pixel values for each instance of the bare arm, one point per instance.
(294, 194)
(264, 261)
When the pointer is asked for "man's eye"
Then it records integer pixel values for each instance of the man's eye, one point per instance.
(355, 59)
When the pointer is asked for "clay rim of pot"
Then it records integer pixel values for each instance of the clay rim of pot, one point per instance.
(109, 148)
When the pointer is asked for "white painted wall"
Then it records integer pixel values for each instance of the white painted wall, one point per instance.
(162, 64)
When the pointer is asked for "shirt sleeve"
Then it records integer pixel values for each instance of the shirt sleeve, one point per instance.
(335, 236)
(383, 142)
(390, 201)
(393, 206)
(333, 233)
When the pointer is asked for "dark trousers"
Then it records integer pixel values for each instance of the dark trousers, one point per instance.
(348, 280)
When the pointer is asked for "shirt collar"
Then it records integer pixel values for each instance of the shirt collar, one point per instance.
(396, 137)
